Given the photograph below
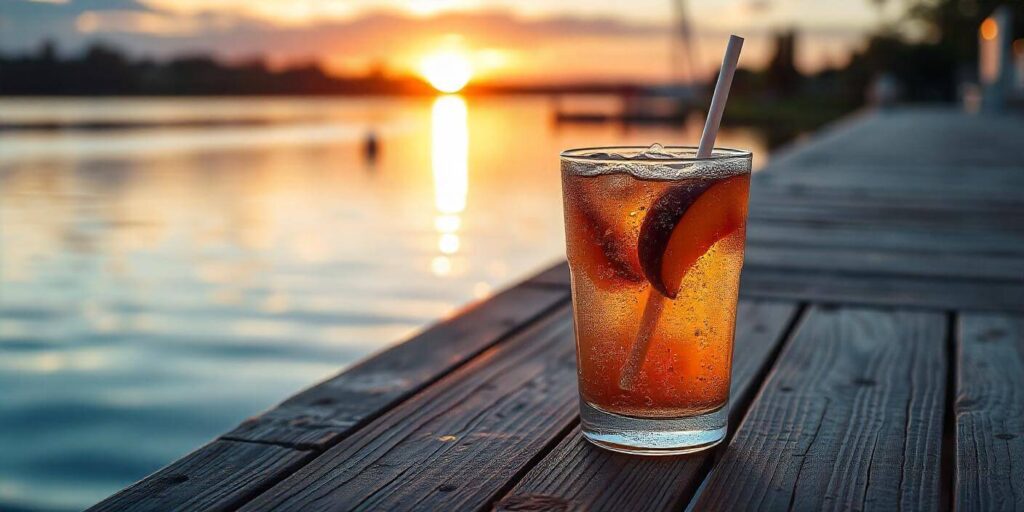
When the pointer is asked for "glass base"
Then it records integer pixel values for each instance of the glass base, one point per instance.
(653, 436)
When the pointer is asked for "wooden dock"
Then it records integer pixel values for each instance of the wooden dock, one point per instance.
(879, 364)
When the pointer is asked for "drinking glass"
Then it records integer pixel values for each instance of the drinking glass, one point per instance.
(655, 239)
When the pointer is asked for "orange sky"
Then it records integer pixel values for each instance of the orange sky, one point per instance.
(524, 41)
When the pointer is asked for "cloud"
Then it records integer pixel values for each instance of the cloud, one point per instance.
(136, 22)
(377, 33)
(274, 12)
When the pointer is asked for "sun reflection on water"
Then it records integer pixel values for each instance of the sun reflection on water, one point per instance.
(450, 167)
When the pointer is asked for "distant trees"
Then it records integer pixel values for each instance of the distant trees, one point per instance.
(782, 76)
(929, 51)
(104, 70)
(932, 50)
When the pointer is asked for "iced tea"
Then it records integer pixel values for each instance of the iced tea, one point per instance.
(655, 245)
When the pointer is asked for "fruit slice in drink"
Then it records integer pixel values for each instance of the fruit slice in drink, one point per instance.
(684, 223)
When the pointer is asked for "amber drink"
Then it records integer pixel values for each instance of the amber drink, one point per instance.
(655, 240)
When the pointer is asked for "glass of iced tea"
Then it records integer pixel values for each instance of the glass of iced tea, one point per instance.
(655, 240)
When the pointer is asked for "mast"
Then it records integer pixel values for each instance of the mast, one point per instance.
(684, 65)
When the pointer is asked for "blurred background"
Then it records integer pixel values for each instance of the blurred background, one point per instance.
(208, 205)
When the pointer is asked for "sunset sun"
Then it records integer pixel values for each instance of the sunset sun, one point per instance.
(447, 71)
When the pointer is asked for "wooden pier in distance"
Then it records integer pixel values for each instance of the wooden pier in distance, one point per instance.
(879, 364)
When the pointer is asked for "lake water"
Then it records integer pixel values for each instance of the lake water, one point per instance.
(160, 284)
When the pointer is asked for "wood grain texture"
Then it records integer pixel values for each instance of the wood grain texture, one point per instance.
(579, 476)
(219, 476)
(318, 417)
(990, 413)
(456, 445)
(850, 418)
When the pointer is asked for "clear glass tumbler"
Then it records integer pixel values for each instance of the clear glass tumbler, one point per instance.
(655, 239)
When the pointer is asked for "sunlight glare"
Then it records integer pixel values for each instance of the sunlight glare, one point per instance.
(450, 167)
(448, 71)
(441, 266)
(448, 243)
(449, 154)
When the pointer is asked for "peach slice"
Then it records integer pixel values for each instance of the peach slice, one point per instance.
(684, 223)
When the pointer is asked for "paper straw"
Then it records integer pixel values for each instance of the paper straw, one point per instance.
(720, 96)
(655, 300)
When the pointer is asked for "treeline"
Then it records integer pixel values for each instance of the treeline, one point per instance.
(105, 70)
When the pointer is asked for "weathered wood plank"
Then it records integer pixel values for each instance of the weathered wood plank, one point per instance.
(579, 476)
(850, 418)
(868, 289)
(319, 416)
(456, 445)
(219, 476)
(990, 413)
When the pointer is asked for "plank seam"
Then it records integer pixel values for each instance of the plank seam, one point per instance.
(947, 455)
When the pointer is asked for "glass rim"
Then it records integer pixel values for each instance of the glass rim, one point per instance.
(718, 153)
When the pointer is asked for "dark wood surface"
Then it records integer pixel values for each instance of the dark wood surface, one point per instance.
(849, 419)
(219, 476)
(990, 412)
(455, 446)
(878, 365)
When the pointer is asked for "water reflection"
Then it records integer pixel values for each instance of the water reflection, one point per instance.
(449, 135)
(168, 283)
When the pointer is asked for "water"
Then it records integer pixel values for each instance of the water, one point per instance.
(158, 285)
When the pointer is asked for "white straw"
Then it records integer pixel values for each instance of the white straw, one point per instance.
(656, 301)
(721, 94)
